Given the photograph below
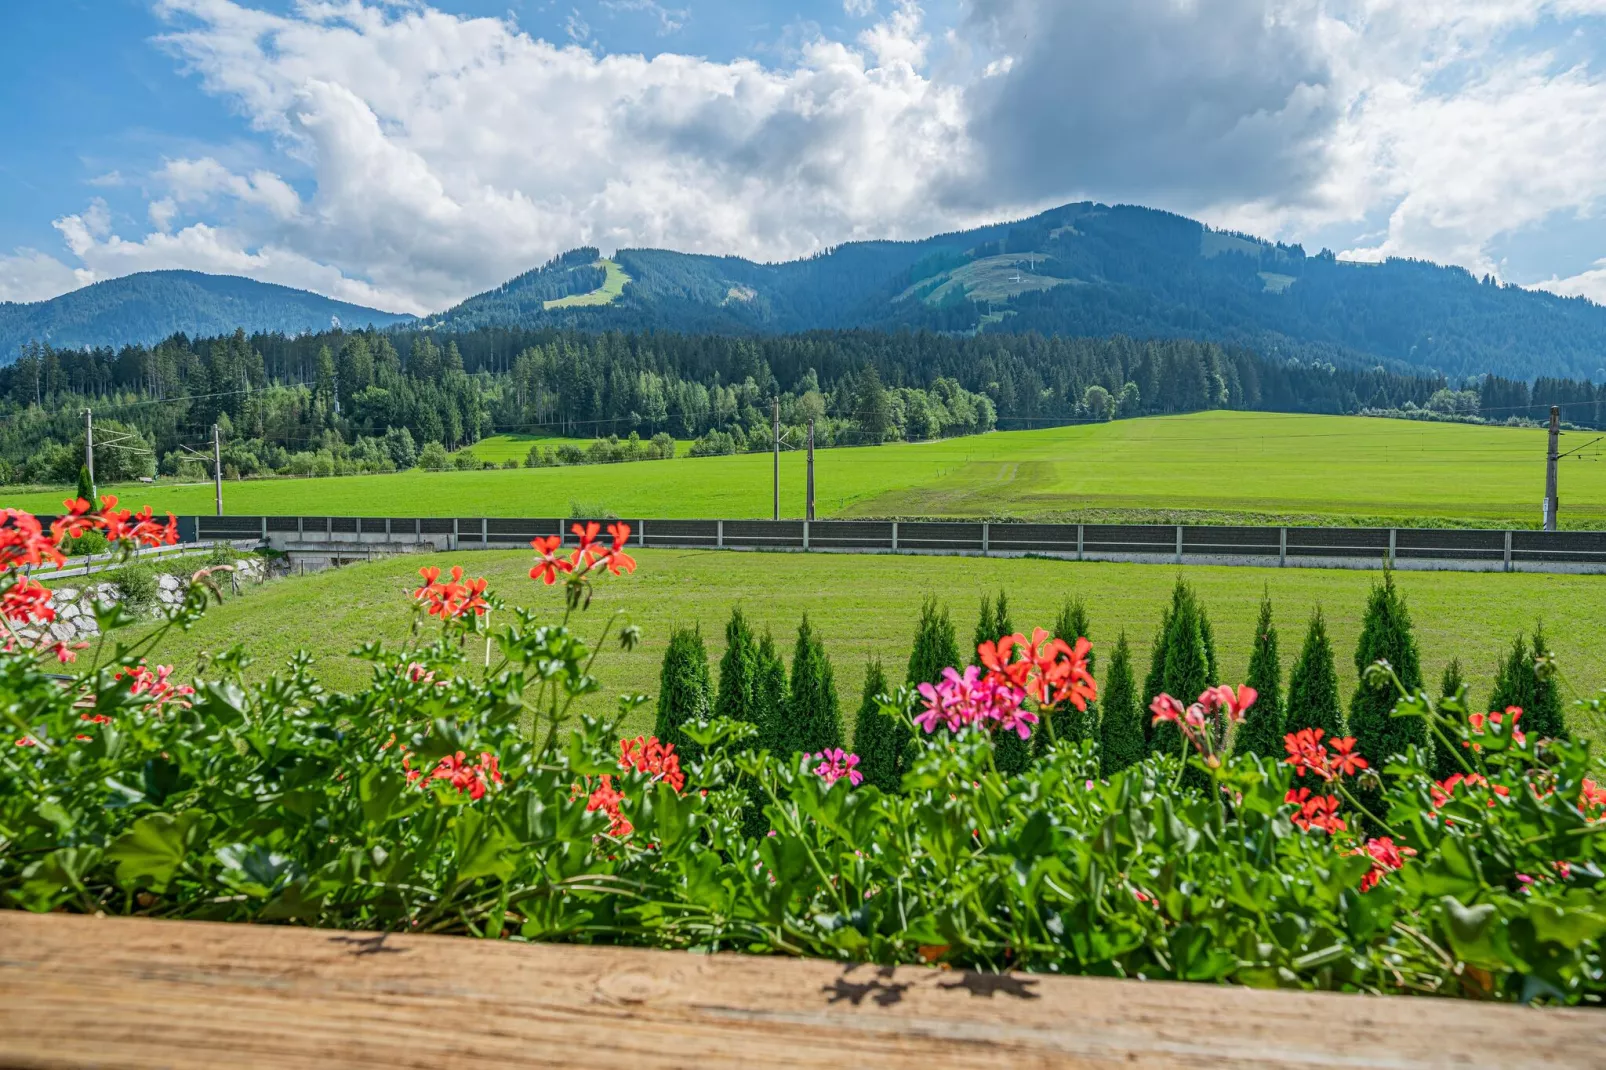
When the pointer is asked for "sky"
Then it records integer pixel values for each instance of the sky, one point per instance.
(405, 155)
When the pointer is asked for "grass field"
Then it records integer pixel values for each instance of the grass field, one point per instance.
(867, 606)
(613, 285)
(1200, 468)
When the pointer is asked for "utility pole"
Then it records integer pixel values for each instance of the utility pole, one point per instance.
(1551, 457)
(809, 500)
(89, 453)
(217, 469)
(777, 480)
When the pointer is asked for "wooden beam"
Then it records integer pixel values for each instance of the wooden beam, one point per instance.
(118, 992)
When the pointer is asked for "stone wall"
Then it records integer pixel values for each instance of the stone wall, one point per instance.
(75, 606)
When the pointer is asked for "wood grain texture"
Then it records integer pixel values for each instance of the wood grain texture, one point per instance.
(108, 992)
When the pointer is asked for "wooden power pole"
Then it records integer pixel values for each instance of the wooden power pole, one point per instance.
(1552, 455)
(217, 469)
(808, 511)
(777, 477)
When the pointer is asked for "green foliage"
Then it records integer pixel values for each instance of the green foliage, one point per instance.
(90, 542)
(1184, 661)
(1066, 722)
(1527, 680)
(1451, 683)
(813, 721)
(935, 647)
(737, 697)
(238, 805)
(1121, 730)
(683, 691)
(434, 458)
(86, 487)
(1014, 753)
(1262, 729)
(770, 693)
(878, 738)
(1313, 684)
(1385, 636)
(136, 586)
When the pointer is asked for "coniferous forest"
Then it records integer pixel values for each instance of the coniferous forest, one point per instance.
(345, 402)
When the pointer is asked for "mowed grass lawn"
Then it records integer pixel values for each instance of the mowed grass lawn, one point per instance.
(1220, 466)
(866, 607)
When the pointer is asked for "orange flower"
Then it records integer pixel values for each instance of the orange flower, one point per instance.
(23, 542)
(26, 601)
(1345, 760)
(549, 564)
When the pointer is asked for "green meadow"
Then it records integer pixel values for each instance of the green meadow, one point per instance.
(866, 607)
(1215, 467)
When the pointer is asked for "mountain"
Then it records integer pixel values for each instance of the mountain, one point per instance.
(153, 305)
(1081, 270)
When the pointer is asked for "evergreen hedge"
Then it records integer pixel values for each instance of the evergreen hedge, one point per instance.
(86, 486)
(771, 694)
(1066, 722)
(813, 721)
(1313, 685)
(683, 691)
(1450, 685)
(1012, 753)
(1385, 636)
(1121, 735)
(1521, 682)
(878, 740)
(1184, 660)
(1262, 729)
(738, 672)
(936, 645)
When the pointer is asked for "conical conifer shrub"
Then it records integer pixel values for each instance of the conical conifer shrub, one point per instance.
(1385, 636)
(683, 691)
(813, 721)
(1185, 663)
(1066, 723)
(1262, 729)
(877, 738)
(1121, 741)
(936, 647)
(738, 672)
(1313, 684)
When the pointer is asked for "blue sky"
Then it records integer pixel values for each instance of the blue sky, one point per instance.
(407, 154)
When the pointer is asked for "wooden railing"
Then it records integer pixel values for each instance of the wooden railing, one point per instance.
(107, 992)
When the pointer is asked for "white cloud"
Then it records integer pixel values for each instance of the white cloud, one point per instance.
(29, 275)
(1590, 284)
(433, 155)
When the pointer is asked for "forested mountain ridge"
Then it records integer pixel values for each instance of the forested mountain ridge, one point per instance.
(148, 307)
(1092, 270)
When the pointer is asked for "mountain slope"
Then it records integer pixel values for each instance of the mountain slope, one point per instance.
(150, 306)
(1087, 270)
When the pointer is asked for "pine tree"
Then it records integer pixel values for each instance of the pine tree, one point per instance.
(1001, 622)
(738, 672)
(770, 695)
(1519, 683)
(813, 721)
(1185, 667)
(1313, 685)
(1450, 684)
(1545, 718)
(1011, 753)
(986, 630)
(1121, 740)
(86, 486)
(1385, 636)
(683, 690)
(1066, 723)
(875, 737)
(1262, 729)
(936, 646)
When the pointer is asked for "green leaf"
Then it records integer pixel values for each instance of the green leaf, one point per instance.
(484, 848)
(1470, 929)
(151, 851)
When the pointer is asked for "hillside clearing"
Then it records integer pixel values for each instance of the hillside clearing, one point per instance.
(606, 294)
(1215, 467)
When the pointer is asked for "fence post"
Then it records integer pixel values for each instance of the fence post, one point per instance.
(387, 529)
(1179, 544)
(454, 532)
(1391, 548)
(985, 537)
(894, 536)
(719, 534)
(805, 534)
(485, 533)
(264, 529)
(301, 529)
(1508, 551)
(1282, 547)
(328, 529)
(418, 529)
(1079, 541)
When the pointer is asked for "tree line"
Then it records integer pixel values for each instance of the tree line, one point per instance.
(343, 402)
